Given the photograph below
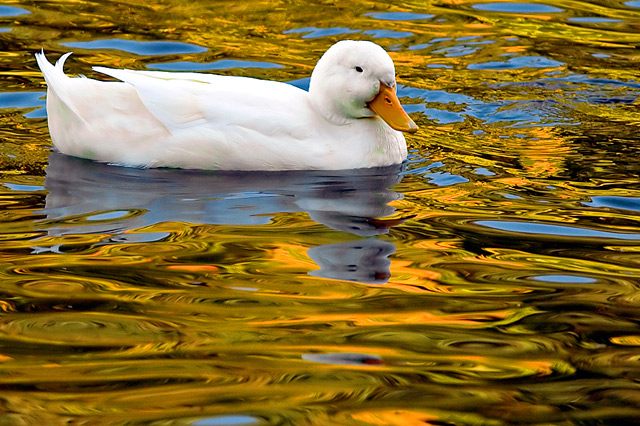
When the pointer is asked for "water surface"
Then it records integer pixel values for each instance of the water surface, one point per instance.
(491, 280)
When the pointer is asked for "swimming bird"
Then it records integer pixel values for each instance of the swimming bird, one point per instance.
(349, 118)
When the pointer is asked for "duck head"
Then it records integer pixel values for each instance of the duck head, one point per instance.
(356, 80)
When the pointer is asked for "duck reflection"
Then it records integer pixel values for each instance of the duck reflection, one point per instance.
(349, 201)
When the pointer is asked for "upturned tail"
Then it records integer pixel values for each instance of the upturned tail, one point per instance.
(53, 74)
(56, 82)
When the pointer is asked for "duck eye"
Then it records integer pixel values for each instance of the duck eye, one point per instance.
(359, 69)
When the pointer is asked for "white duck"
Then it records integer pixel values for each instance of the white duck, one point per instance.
(350, 117)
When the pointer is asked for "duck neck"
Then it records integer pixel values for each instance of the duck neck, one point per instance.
(328, 109)
(325, 93)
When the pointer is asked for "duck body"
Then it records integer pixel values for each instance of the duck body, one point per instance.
(204, 121)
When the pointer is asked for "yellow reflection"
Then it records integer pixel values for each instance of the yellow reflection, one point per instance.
(631, 340)
(395, 418)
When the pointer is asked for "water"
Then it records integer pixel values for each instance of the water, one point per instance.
(491, 280)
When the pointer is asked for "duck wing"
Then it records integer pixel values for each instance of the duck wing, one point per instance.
(187, 100)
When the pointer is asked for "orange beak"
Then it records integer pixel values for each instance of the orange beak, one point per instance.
(387, 106)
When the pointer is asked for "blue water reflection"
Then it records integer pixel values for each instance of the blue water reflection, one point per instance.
(616, 202)
(517, 63)
(88, 197)
(313, 32)
(27, 100)
(399, 16)
(236, 420)
(553, 229)
(387, 34)
(21, 99)
(573, 279)
(22, 188)
(12, 11)
(517, 8)
(222, 64)
(147, 48)
(594, 20)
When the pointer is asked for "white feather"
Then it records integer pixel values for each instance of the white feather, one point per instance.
(204, 121)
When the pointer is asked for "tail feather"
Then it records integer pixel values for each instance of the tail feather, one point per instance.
(55, 77)
(51, 73)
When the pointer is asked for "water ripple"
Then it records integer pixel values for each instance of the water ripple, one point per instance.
(139, 47)
(493, 280)
(523, 8)
(91, 330)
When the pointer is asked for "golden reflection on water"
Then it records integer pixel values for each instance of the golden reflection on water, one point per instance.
(493, 280)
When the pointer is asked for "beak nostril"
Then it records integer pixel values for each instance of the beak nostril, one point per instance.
(387, 107)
